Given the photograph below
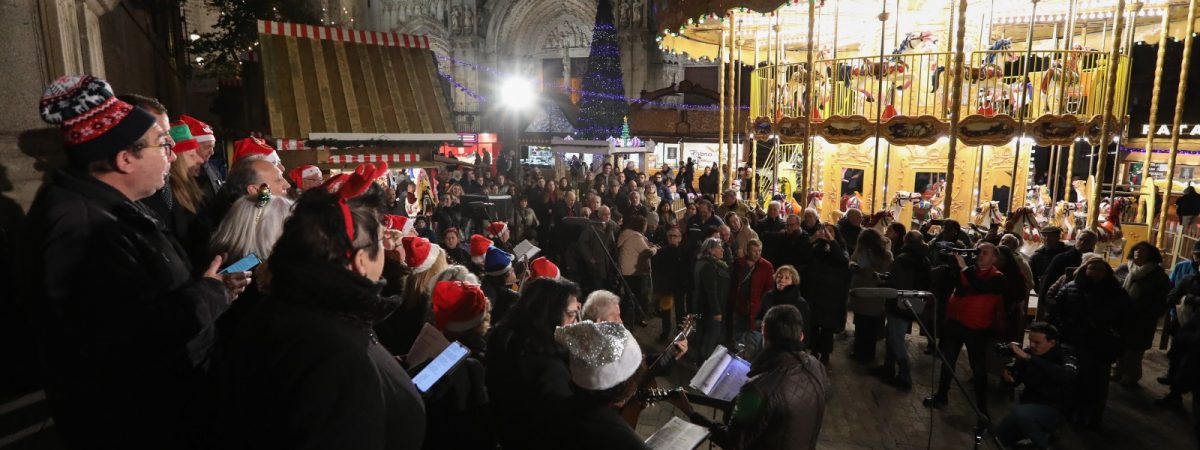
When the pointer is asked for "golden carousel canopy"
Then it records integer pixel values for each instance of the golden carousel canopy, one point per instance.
(695, 28)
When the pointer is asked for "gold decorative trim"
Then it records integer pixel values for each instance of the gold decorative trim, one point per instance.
(907, 130)
(977, 130)
(846, 129)
(1054, 129)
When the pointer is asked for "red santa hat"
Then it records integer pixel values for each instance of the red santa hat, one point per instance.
(542, 267)
(334, 183)
(479, 246)
(200, 130)
(298, 174)
(458, 306)
(398, 223)
(254, 146)
(495, 229)
(419, 253)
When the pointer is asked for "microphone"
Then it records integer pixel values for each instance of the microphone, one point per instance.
(579, 221)
(912, 300)
(480, 204)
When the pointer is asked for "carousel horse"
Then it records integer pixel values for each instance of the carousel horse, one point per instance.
(988, 214)
(815, 198)
(987, 71)
(1110, 229)
(852, 202)
(931, 201)
(1070, 217)
(1063, 74)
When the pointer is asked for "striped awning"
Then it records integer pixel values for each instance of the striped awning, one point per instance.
(374, 158)
(334, 80)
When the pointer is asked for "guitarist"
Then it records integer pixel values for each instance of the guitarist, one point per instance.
(783, 403)
(604, 306)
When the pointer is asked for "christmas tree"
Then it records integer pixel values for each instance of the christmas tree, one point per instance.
(603, 107)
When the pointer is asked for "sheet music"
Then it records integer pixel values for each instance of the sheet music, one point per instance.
(677, 434)
(722, 375)
(428, 345)
(526, 250)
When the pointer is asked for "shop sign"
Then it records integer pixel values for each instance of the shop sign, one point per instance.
(1165, 130)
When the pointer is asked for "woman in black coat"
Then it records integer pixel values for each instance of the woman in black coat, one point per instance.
(1147, 283)
(527, 377)
(827, 278)
(669, 278)
(710, 294)
(786, 292)
(304, 370)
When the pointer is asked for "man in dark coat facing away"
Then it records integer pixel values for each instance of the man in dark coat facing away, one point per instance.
(126, 327)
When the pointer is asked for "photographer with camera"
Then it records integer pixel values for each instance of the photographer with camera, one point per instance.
(970, 315)
(1047, 370)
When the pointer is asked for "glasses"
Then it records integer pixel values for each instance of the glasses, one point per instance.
(165, 146)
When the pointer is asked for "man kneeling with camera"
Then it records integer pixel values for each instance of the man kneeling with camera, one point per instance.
(1046, 369)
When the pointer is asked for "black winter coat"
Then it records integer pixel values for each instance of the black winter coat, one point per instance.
(825, 283)
(1088, 315)
(910, 272)
(1040, 261)
(669, 274)
(788, 296)
(711, 288)
(1070, 257)
(528, 388)
(125, 327)
(587, 426)
(458, 411)
(304, 370)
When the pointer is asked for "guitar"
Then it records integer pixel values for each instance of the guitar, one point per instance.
(650, 396)
(634, 407)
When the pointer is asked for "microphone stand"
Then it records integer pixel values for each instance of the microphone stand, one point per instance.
(983, 423)
(626, 290)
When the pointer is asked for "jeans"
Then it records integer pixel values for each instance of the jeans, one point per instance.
(954, 336)
(897, 352)
(1029, 420)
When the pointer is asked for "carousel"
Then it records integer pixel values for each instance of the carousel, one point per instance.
(918, 111)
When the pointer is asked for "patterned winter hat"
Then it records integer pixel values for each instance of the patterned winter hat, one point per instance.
(603, 355)
(95, 124)
(182, 135)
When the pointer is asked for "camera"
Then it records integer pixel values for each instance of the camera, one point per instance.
(1003, 349)
(948, 249)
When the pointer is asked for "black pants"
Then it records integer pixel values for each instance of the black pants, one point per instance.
(954, 336)
(1091, 386)
(866, 335)
(821, 340)
(635, 307)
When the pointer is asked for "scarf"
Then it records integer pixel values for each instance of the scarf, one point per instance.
(1136, 273)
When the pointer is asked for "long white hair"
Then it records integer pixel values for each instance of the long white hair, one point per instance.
(249, 228)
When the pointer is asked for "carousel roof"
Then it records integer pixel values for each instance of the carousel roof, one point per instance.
(694, 28)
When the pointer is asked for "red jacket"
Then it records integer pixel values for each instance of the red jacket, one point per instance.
(974, 301)
(761, 281)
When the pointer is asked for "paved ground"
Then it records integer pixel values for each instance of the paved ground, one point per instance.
(866, 414)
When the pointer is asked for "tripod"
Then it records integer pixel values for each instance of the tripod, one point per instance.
(983, 423)
(626, 291)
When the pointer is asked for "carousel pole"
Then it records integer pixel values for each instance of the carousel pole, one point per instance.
(1131, 28)
(1025, 87)
(1180, 99)
(955, 101)
(1055, 150)
(1069, 176)
(778, 60)
(887, 156)
(949, 49)
(1106, 124)
(883, 17)
(806, 181)
(1158, 75)
(721, 104)
(723, 180)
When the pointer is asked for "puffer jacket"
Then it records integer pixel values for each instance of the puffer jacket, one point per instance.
(780, 407)
(1088, 315)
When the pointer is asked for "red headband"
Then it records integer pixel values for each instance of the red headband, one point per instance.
(355, 185)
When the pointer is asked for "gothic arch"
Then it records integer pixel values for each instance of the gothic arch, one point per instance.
(426, 26)
(520, 27)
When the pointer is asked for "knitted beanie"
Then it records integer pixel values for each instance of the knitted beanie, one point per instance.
(95, 124)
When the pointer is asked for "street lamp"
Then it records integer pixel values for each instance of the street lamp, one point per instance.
(516, 95)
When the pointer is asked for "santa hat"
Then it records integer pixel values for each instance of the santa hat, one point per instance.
(603, 355)
(542, 267)
(298, 174)
(495, 229)
(479, 247)
(458, 306)
(496, 262)
(254, 146)
(182, 135)
(398, 223)
(419, 254)
(200, 130)
(95, 124)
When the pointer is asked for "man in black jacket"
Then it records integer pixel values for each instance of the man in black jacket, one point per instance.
(1072, 257)
(1047, 370)
(1052, 246)
(126, 327)
(910, 272)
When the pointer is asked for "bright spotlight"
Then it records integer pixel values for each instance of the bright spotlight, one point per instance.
(516, 93)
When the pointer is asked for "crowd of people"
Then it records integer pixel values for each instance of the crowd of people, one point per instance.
(140, 320)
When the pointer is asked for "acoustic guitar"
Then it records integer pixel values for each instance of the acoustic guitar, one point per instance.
(634, 407)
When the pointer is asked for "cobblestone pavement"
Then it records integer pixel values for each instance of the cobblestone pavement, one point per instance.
(867, 414)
